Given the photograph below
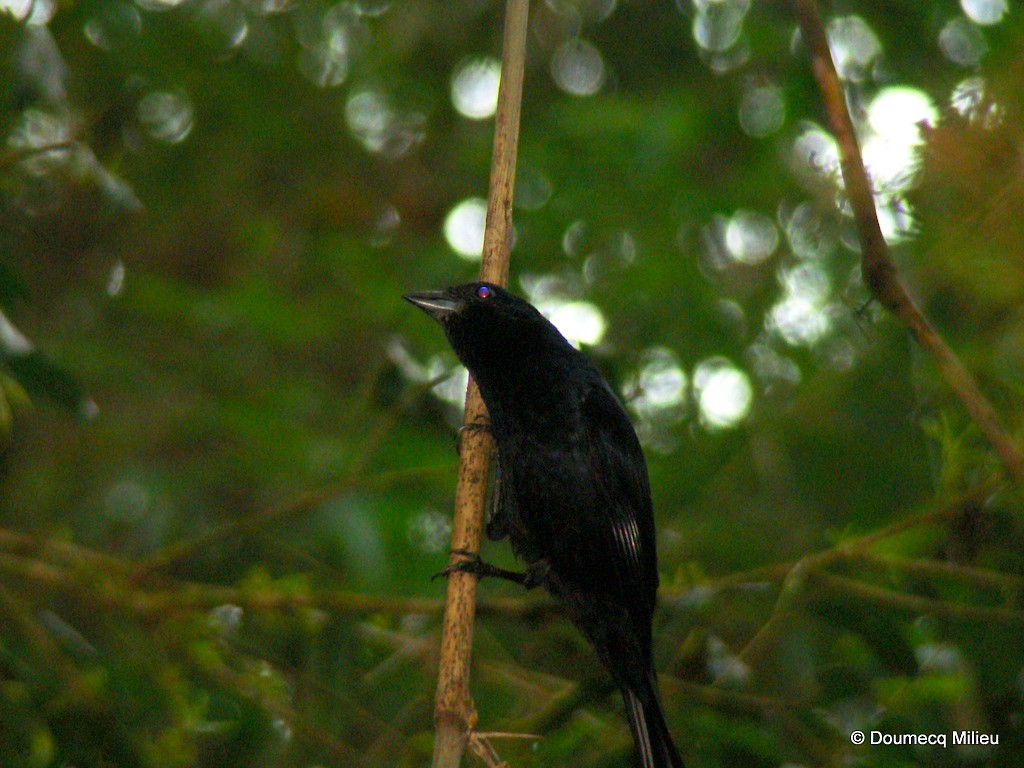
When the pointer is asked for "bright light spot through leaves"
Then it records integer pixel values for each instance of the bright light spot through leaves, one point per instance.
(985, 12)
(578, 68)
(38, 12)
(381, 126)
(816, 151)
(896, 115)
(464, 228)
(475, 88)
(718, 24)
(962, 42)
(855, 46)
(331, 40)
(800, 317)
(579, 321)
(723, 392)
(659, 385)
(751, 237)
(762, 111)
(166, 116)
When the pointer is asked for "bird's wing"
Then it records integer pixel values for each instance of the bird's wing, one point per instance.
(498, 513)
(617, 463)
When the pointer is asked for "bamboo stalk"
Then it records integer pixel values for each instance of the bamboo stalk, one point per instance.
(454, 713)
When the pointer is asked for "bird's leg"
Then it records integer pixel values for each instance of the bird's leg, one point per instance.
(474, 426)
(474, 565)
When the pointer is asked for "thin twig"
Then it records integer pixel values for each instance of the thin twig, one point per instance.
(60, 566)
(453, 706)
(790, 595)
(181, 551)
(62, 550)
(115, 589)
(979, 577)
(877, 265)
(794, 575)
(916, 604)
(850, 548)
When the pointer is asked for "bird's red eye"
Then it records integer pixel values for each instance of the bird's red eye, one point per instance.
(483, 292)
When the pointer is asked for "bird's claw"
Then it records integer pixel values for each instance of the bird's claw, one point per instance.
(470, 565)
(473, 426)
(474, 565)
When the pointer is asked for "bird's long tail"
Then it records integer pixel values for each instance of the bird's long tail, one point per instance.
(647, 722)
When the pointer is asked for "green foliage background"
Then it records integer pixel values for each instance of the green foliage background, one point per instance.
(223, 492)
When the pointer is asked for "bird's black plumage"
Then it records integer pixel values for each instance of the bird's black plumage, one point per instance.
(574, 498)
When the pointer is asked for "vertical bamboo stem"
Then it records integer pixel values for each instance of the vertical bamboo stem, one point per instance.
(453, 707)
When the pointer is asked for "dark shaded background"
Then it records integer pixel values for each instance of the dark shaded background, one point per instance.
(225, 480)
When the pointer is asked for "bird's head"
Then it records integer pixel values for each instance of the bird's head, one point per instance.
(476, 305)
(484, 321)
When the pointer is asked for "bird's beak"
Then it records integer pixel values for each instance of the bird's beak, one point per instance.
(437, 304)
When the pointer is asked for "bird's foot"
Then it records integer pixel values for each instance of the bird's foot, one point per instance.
(473, 426)
(474, 565)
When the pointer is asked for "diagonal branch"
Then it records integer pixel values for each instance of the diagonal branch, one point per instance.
(879, 270)
(453, 706)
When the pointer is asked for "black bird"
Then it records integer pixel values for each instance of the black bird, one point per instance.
(572, 495)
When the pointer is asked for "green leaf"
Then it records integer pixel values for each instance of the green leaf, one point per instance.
(12, 287)
(42, 378)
